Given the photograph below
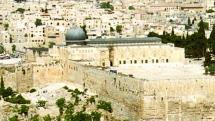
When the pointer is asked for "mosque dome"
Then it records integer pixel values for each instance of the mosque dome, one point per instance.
(75, 33)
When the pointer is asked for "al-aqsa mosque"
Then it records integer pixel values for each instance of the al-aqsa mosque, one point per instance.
(116, 51)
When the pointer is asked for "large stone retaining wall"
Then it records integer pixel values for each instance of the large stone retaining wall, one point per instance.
(132, 98)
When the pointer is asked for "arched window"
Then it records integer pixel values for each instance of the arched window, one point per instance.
(120, 62)
(135, 61)
(167, 60)
(156, 60)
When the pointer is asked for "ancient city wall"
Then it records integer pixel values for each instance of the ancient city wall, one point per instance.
(132, 98)
(48, 73)
(18, 77)
(146, 97)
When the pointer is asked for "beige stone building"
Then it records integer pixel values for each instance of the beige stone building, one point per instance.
(116, 51)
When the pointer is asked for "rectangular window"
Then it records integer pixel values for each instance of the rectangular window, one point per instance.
(119, 62)
(156, 60)
(131, 61)
(135, 61)
(167, 60)
(124, 62)
(146, 61)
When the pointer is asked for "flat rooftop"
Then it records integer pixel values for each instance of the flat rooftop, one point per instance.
(170, 71)
(10, 61)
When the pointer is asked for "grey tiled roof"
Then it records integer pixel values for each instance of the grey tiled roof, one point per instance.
(124, 40)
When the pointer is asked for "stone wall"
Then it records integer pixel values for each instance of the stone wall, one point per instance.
(132, 98)
(18, 77)
(122, 89)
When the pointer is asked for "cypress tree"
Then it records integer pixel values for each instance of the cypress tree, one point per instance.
(2, 88)
(201, 42)
(211, 41)
(173, 33)
(189, 22)
(187, 35)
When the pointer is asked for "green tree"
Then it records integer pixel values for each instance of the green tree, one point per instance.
(41, 103)
(207, 61)
(47, 118)
(38, 22)
(85, 30)
(20, 10)
(203, 24)
(35, 118)
(211, 69)
(69, 111)
(210, 11)
(1, 49)
(51, 44)
(13, 48)
(211, 41)
(14, 118)
(17, 99)
(6, 26)
(96, 116)
(7, 92)
(106, 5)
(131, 8)
(119, 29)
(24, 109)
(32, 90)
(2, 88)
(153, 34)
(189, 21)
(112, 29)
(61, 103)
(201, 42)
(105, 106)
(173, 32)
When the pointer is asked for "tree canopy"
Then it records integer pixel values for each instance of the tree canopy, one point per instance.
(38, 22)
(106, 5)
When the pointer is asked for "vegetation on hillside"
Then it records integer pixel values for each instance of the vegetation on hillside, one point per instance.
(106, 5)
(9, 95)
(38, 22)
(79, 107)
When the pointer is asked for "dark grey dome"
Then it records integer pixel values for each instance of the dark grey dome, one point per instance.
(75, 33)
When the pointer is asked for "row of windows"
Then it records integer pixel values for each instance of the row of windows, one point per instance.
(82, 51)
(37, 40)
(143, 61)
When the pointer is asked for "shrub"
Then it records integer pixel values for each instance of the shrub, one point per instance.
(41, 103)
(33, 90)
(35, 118)
(96, 116)
(131, 8)
(47, 118)
(24, 109)
(14, 118)
(105, 106)
(17, 99)
(61, 103)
